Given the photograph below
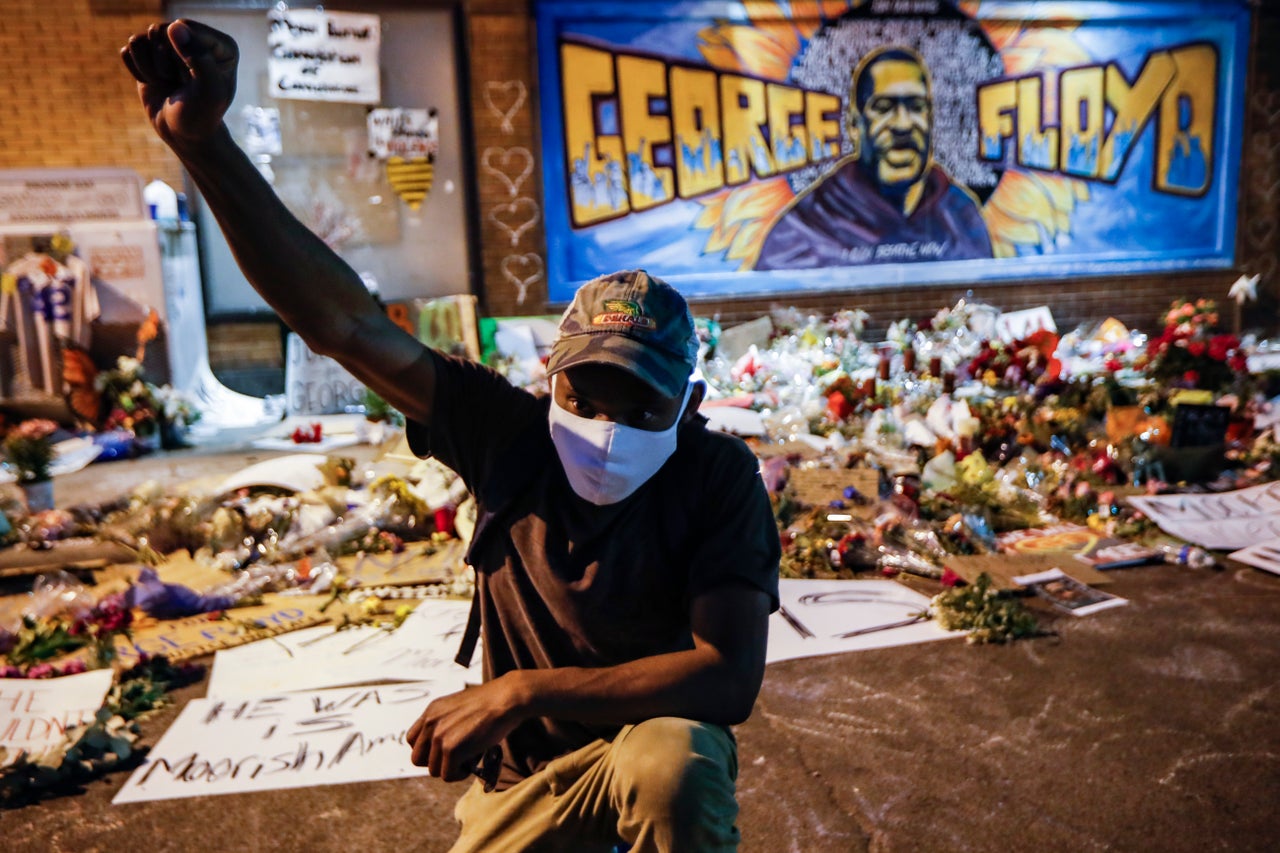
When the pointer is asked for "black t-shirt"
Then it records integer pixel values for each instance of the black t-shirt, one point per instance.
(562, 582)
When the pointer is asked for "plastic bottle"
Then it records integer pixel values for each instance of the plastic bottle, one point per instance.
(1187, 555)
(161, 200)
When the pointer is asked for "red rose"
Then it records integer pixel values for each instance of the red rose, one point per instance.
(1221, 346)
(1196, 348)
(1191, 377)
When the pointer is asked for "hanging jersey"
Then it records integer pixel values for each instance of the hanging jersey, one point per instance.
(46, 302)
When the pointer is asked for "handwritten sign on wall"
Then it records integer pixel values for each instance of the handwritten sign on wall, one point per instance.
(323, 737)
(36, 713)
(314, 55)
(400, 132)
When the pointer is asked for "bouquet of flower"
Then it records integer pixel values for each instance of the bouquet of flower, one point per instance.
(1188, 355)
(29, 448)
(129, 399)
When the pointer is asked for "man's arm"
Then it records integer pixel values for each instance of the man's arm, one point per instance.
(186, 75)
(717, 681)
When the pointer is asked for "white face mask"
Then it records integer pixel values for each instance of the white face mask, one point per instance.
(606, 461)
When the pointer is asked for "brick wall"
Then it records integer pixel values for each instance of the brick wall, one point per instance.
(68, 99)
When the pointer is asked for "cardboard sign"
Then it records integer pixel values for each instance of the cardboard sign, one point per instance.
(297, 740)
(411, 566)
(203, 634)
(822, 486)
(36, 712)
(313, 55)
(1003, 568)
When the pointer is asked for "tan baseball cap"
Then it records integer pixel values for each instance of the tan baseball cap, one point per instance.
(630, 320)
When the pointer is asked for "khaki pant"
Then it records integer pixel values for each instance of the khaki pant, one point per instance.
(666, 784)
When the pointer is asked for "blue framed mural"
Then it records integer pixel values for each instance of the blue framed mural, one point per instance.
(740, 148)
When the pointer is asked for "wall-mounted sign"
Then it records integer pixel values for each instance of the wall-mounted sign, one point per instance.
(69, 195)
(738, 147)
(404, 133)
(313, 55)
(406, 141)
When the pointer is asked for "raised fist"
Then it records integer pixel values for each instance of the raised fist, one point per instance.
(186, 75)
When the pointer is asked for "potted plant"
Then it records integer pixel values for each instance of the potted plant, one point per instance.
(28, 449)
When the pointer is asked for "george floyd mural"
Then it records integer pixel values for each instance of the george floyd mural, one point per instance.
(741, 148)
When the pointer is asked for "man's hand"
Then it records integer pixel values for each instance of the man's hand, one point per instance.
(455, 730)
(186, 75)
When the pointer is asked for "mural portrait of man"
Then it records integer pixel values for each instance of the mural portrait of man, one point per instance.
(889, 201)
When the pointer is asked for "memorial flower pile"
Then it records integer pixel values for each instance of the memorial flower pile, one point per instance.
(129, 400)
(988, 435)
(1189, 354)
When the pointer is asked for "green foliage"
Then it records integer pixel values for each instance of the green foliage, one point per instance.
(988, 615)
(39, 640)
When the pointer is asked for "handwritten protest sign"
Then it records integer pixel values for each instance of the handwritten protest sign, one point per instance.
(36, 713)
(822, 617)
(422, 649)
(261, 743)
(401, 132)
(1226, 520)
(313, 55)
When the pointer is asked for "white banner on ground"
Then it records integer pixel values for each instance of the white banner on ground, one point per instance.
(422, 649)
(36, 713)
(1224, 520)
(294, 740)
(823, 617)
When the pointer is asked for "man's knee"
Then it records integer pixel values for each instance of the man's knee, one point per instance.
(672, 769)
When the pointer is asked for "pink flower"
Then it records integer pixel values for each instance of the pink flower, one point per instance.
(73, 667)
(41, 670)
(110, 615)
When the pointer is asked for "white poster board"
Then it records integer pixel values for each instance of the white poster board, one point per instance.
(316, 384)
(295, 740)
(36, 712)
(822, 617)
(1226, 520)
(313, 55)
(422, 649)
